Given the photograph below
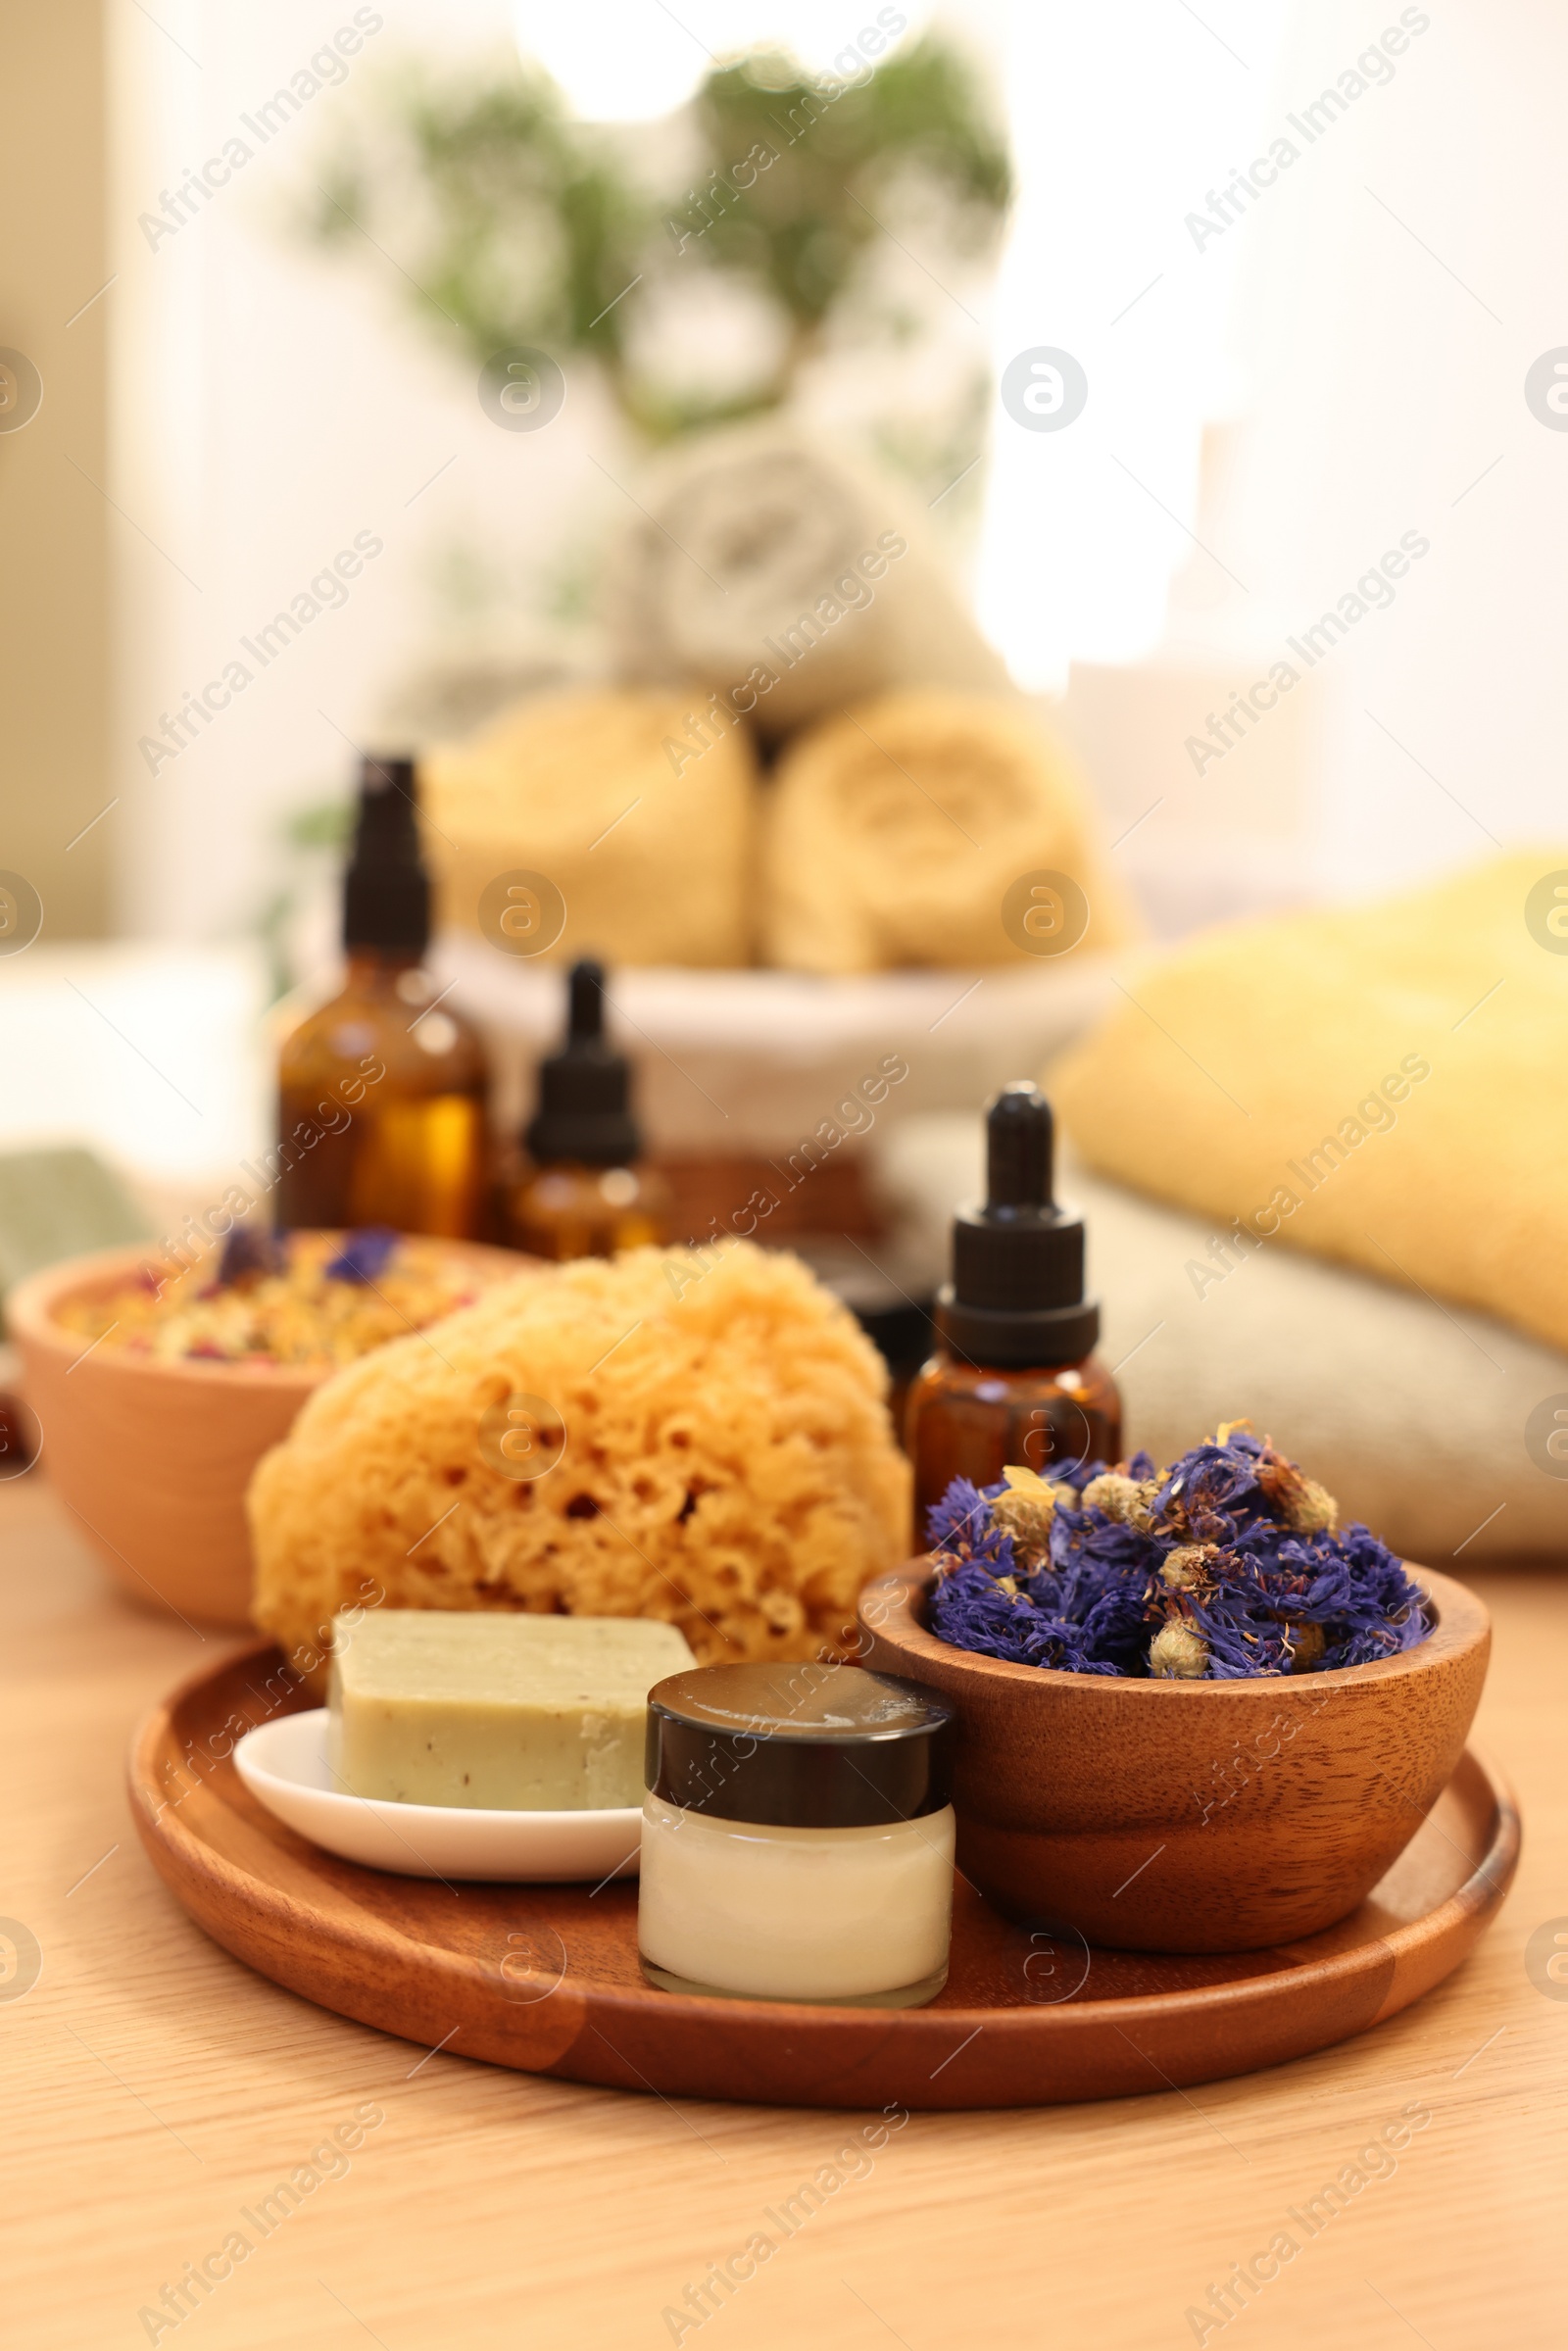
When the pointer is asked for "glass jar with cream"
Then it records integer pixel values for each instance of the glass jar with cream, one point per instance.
(798, 1835)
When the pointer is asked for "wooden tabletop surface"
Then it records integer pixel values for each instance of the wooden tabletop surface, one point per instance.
(155, 2092)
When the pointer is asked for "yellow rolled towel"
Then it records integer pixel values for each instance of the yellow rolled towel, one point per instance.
(1380, 1084)
(728, 1463)
(652, 854)
(898, 828)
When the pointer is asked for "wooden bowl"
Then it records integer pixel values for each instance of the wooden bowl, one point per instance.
(1190, 1815)
(152, 1458)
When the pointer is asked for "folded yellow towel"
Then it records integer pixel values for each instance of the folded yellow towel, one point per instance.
(899, 828)
(1382, 1083)
(651, 852)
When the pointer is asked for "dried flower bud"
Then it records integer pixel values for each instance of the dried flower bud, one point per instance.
(1306, 1646)
(1305, 1506)
(1313, 1511)
(1009, 1585)
(1025, 1512)
(1189, 1565)
(1121, 1497)
(1177, 1653)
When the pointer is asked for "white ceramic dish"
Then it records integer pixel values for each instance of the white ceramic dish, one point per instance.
(284, 1766)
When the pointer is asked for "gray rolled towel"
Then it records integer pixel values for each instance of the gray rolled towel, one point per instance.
(788, 580)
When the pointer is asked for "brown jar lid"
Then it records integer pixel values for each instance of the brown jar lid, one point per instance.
(810, 1745)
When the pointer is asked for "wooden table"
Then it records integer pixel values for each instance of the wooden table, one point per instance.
(154, 2089)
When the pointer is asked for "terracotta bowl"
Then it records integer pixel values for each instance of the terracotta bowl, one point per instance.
(1190, 1815)
(152, 1459)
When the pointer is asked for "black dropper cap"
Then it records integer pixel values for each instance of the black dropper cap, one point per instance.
(386, 890)
(1018, 1291)
(585, 1089)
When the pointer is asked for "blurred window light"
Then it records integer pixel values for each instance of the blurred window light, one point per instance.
(1084, 528)
(631, 61)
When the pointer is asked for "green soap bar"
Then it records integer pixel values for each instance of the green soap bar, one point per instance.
(57, 1203)
(510, 1713)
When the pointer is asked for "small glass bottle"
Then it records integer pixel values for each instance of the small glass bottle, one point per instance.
(382, 1091)
(1014, 1380)
(798, 1837)
(583, 1192)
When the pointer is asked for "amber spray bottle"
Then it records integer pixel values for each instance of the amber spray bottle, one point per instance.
(583, 1192)
(382, 1091)
(1014, 1379)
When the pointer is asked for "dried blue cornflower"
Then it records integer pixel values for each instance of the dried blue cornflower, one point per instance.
(1223, 1566)
(250, 1253)
(961, 1526)
(364, 1254)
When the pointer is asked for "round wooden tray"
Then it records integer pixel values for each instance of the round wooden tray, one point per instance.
(546, 1978)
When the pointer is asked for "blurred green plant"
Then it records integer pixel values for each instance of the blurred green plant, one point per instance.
(514, 225)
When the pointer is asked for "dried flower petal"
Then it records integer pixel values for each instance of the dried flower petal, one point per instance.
(961, 1525)
(1265, 1586)
(1026, 1509)
(251, 1251)
(364, 1254)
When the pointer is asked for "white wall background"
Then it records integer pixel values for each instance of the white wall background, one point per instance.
(272, 403)
(1389, 309)
(270, 406)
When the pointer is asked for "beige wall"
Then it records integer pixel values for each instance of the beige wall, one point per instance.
(53, 521)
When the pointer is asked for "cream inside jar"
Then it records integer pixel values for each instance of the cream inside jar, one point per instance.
(798, 1837)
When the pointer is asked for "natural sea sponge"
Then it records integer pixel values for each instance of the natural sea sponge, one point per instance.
(650, 853)
(729, 1467)
(899, 826)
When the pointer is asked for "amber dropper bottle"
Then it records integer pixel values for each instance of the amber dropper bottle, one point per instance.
(1014, 1379)
(583, 1192)
(382, 1091)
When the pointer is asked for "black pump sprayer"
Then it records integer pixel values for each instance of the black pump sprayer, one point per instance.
(386, 890)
